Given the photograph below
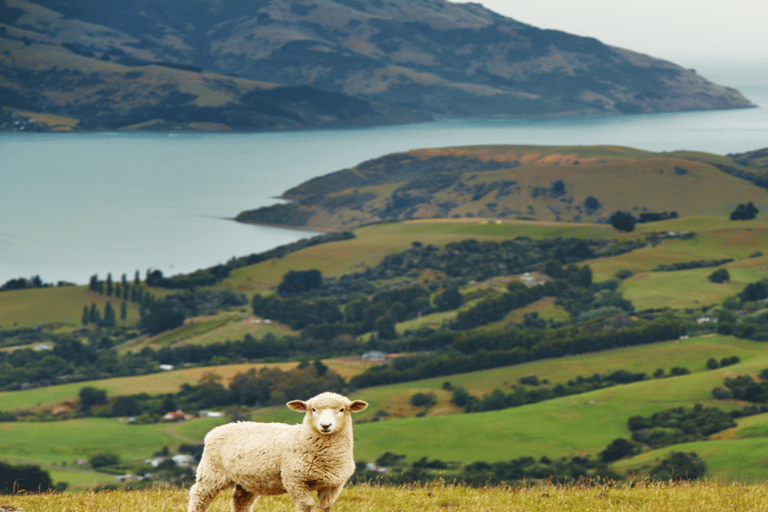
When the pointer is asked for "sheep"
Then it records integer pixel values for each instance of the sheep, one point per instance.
(275, 458)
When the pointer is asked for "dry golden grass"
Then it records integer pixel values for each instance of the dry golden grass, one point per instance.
(646, 497)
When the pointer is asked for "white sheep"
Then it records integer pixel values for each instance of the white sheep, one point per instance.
(274, 458)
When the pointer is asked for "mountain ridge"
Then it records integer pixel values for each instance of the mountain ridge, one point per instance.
(410, 60)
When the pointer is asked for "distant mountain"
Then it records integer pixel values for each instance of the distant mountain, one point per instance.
(367, 61)
(547, 183)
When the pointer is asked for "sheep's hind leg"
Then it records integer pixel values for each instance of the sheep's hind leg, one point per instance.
(242, 500)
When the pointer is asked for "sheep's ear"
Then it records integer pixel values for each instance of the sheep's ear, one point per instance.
(297, 405)
(358, 405)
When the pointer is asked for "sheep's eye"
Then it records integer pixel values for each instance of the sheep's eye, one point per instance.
(341, 410)
(314, 410)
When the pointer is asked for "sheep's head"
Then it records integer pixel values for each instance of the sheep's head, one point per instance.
(327, 412)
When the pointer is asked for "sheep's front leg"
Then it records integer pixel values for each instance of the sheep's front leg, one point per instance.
(242, 500)
(301, 496)
(201, 495)
(328, 496)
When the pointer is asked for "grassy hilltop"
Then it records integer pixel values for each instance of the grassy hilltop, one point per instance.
(657, 274)
(546, 183)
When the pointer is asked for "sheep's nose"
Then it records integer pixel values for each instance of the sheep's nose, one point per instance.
(325, 426)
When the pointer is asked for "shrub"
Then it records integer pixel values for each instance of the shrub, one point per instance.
(104, 459)
(679, 466)
(423, 399)
(618, 449)
(720, 275)
(622, 221)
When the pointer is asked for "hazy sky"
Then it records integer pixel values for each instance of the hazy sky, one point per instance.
(687, 32)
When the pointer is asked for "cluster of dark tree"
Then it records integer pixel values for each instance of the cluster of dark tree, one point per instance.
(679, 466)
(70, 360)
(109, 320)
(171, 312)
(714, 364)
(308, 302)
(124, 290)
(625, 221)
(745, 212)
(26, 478)
(676, 466)
(267, 386)
(735, 317)
(23, 336)
(496, 308)
(679, 425)
(323, 319)
(470, 259)
(22, 283)
(524, 393)
(156, 315)
(466, 351)
(299, 281)
(560, 471)
(685, 265)
(744, 387)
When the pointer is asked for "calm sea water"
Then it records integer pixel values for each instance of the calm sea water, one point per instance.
(72, 205)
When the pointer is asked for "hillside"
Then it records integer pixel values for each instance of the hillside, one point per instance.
(547, 183)
(554, 333)
(364, 61)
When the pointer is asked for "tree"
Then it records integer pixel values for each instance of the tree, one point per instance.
(90, 396)
(126, 406)
(93, 315)
(679, 466)
(161, 317)
(618, 449)
(109, 315)
(423, 399)
(15, 479)
(385, 327)
(720, 275)
(448, 299)
(591, 205)
(123, 311)
(745, 212)
(297, 281)
(86, 316)
(622, 221)
(104, 459)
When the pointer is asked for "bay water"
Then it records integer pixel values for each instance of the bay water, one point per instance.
(74, 205)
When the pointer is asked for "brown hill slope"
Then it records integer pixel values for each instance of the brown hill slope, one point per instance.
(519, 182)
(393, 61)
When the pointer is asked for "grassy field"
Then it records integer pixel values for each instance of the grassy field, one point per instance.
(54, 306)
(643, 497)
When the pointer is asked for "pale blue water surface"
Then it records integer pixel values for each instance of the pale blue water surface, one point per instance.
(72, 205)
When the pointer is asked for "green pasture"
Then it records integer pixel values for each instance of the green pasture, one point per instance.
(54, 306)
(575, 424)
(219, 328)
(54, 442)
